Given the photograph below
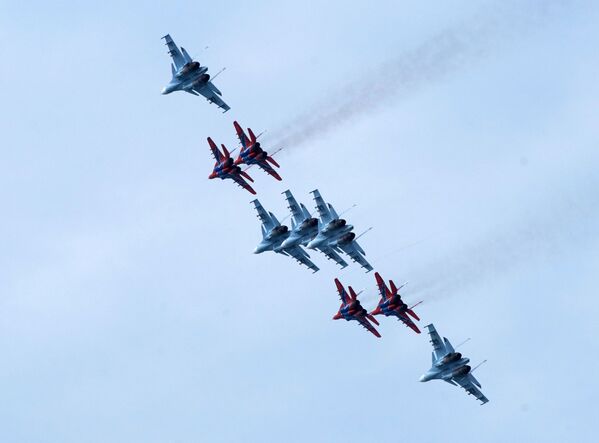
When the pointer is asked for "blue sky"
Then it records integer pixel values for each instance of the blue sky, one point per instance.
(131, 306)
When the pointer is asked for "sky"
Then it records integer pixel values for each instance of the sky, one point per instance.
(131, 306)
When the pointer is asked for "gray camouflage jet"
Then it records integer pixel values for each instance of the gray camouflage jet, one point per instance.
(451, 367)
(304, 227)
(190, 77)
(334, 234)
(274, 234)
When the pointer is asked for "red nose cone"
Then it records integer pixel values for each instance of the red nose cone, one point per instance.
(213, 175)
(337, 316)
(238, 161)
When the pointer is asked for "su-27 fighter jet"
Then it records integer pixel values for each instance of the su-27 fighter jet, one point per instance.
(190, 77)
(391, 304)
(225, 168)
(351, 309)
(251, 152)
(304, 227)
(451, 367)
(274, 235)
(334, 234)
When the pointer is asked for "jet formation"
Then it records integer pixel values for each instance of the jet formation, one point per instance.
(390, 304)
(189, 76)
(330, 234)
(450, 366)
(251, 153)
(326, 233)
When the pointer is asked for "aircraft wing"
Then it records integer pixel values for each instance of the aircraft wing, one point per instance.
(264, 216)
(343, 295)
(218, 156)
(402, 316)
(380, 283)
(354, 253)
(332, 255)
(322, 208)
(438, 344)
(469, 383)
(243, 139)
(302, 257)
(366, 324)
(241, 182)
(174, 52)
(212, 94)
(296, 212)
(269, 170)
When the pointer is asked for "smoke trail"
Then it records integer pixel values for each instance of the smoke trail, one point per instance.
(446, 52)
(567, 222)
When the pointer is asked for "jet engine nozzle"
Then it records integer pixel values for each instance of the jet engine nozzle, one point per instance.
(454, 356)
(461, 372)
(347, 238)
(335, 224)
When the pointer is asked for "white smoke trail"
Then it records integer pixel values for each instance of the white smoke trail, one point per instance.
(568, 220)
(446, 52)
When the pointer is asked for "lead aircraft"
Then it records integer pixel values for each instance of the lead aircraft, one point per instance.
(190, 76)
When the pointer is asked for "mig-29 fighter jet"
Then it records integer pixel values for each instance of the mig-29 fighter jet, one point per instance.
(224, 167)
(190, 77)
(451, 367)
(274, 234)
(251, 152)
(335, 234)
(391, 304)
(351, 309)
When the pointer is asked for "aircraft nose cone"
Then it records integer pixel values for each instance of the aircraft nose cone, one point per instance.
(257, 251)
(422, 378)
(164, 91)
(311, 245)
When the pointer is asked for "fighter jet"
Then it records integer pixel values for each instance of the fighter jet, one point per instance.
(335, 234)
(190, 77)
(274, 234)
(451, 367)
(251, 152)
(391, 304)
(224, 167)
(304, 227)
(351, 309)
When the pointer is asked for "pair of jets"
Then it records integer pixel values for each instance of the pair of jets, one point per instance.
(328, 234)
(447, 364)
(390, 305)
(251, 153)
